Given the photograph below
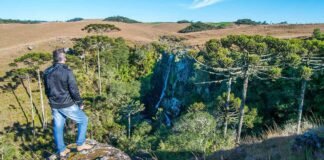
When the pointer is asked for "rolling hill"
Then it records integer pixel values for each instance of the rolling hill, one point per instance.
(16, 38)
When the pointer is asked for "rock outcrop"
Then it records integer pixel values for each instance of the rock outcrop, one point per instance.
(311, 141)
(99, 152)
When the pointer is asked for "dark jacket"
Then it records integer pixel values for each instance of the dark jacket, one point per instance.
(60, 86)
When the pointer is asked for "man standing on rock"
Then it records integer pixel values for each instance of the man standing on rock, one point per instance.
(65, 100)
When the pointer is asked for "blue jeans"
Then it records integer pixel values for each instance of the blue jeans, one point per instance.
(59, 116)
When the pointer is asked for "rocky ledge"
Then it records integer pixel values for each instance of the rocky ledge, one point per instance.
(98, 152)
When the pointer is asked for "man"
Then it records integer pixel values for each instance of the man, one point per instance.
(65, 101)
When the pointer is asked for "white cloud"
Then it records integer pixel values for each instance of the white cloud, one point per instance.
(196, 4)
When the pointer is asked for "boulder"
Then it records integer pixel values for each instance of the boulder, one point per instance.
(30, 48)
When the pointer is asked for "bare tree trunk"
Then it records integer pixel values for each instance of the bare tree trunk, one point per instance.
(227, 105)
(84, 61)
(99, 72)
(129, 125)
(31, 104)
(41, 99)
(29, 95)
(21, 107)
(239, 129)
(301, 104)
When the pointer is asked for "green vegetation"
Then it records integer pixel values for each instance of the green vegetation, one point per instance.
(75, 19)
(184, 21)
(249, 22)
(283, 22)
(19, 21)
(100, 28)
(200, 26)
(221, 24)
(172, 38)
(317, 34)
(121, 19)
(235, 87)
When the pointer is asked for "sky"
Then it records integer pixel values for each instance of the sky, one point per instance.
(272, 11)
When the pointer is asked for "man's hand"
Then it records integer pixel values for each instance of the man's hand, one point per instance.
(81, 107)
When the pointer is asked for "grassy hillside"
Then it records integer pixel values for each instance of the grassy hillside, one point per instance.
(15, 38)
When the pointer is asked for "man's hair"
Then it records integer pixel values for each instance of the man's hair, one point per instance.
(58, 55)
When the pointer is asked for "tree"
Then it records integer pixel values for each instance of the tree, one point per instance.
(253, 60)
(100, 29)
(34, 61)
(240, 57)
(83, 46)
(227, 109)
(218, 57)
(249, 22)
(311, 60)
(130, 110)
(142, 60)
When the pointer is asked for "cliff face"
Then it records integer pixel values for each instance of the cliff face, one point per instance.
(99, 152)
(173, 86)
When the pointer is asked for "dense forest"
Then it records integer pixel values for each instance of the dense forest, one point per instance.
(121, 19)
(169, 100)
(201, 26)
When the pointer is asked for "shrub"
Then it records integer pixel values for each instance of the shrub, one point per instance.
(317, 34)
(191, 132)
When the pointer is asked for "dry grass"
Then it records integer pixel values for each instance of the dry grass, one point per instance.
(274, 144)
(13, 108)
(15, 38)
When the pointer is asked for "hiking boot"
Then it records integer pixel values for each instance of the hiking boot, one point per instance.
(84, 147)
(65, 152)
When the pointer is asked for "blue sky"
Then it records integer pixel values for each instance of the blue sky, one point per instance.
(293, 11)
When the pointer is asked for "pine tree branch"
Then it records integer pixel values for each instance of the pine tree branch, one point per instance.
(290, 78)
(266, 55)
(209, 82)
(261, 78)
(214, 73)
(216, 69)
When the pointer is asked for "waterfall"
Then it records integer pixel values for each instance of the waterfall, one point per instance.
(167, 120)
(165, 81)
